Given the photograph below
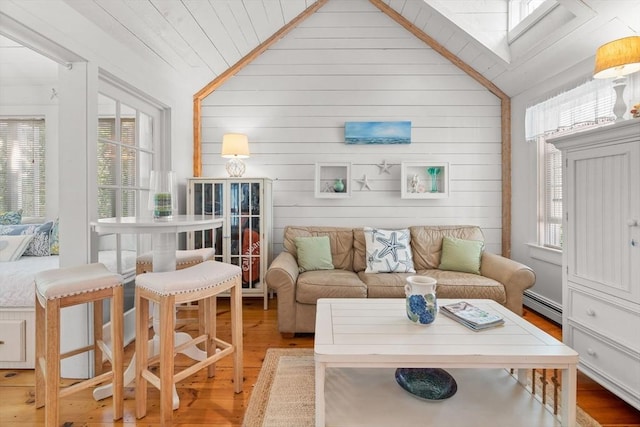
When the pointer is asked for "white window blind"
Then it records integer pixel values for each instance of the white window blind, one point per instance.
(22, 165)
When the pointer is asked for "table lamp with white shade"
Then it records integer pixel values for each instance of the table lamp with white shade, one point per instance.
(235, 147)
(617, 59)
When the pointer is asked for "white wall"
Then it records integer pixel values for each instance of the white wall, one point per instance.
(350, 62)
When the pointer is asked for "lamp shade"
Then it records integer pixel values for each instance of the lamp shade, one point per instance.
(235, 145)
(618, 58)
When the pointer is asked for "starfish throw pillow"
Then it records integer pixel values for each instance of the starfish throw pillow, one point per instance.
(388, 251)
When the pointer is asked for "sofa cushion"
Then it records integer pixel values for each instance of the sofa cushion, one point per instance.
(389, 285)
(359, 250)
(461, 255)
(426, 242)
(328, 284)
(454, 284)
(388, 251)
(314, 253)
(341, 240)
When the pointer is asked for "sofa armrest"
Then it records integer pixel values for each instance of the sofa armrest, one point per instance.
(282, 275)
(515, 277)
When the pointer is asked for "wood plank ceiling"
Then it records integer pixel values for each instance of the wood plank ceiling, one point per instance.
(200, 39)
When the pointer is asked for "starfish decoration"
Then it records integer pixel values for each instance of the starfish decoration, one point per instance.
(384, 168)
(391, 246)
(371, 259)
(364, 183)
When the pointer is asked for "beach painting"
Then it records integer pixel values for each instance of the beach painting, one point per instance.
(377, 132)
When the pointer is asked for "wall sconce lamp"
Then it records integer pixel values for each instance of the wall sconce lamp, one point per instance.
(235, 147)
(616, 60)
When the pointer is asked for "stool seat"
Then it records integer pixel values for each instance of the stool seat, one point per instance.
(66, 287)
(184, 258)
(64, 282)
(202, 276)
(201, 283)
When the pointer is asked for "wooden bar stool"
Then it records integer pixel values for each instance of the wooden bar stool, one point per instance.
(184, 259)
(202, 282)
(65, 287)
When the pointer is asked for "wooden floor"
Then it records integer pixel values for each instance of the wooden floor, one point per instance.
(211, 401)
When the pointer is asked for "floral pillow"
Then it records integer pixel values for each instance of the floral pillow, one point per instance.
(11, 217)
(39, 245)
(388, 251)
(54, 239)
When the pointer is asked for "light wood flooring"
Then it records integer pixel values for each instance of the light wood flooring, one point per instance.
(211, 401)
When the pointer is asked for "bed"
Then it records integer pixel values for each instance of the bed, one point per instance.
(17, 299)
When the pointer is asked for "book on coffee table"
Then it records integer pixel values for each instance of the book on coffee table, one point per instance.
(471, 316)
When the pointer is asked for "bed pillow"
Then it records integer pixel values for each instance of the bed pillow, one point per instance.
(54, 239)
(314, 253)
(461, 255)
(388, 251)
(12, 247)
(11, 217)
(39, 245)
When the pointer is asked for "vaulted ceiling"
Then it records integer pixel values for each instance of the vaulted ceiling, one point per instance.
(200, 39)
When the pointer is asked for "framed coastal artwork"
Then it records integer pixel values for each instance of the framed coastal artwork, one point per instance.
(377, 132)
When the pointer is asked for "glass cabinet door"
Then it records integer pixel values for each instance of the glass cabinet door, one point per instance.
(208, 200)
(244, 223)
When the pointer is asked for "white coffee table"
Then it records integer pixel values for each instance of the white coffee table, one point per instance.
(356, 334)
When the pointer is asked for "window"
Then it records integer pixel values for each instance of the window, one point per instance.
(520, 9)
(125, 156)
(550, 233)
(524, 14)
(584, 107)
(22, 165)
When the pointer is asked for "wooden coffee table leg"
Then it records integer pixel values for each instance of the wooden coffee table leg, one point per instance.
(320, 401)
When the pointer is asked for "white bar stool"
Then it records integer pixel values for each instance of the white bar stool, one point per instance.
(202, 282)
(65, 287)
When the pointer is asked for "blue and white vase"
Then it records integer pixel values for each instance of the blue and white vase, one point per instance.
(422, 304)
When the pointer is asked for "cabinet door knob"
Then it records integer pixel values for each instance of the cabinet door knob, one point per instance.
(633, 222)
(591, 312)
(633, 242)
(591, 352)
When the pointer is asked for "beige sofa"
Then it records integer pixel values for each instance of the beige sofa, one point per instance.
(501, 279)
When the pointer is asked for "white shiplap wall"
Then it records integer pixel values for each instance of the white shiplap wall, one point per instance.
(350, 62)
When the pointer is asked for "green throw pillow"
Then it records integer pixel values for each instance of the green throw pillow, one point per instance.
(461, 255)
(314, 253)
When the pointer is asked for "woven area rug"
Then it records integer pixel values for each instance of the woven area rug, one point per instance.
(284, 394)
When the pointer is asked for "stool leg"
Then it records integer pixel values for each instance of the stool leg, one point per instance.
(41, 344)
(236, 333)
(142, 350)
(210, 328)
(52, 351)
(98, 365)
(167, 345)
(117, 350)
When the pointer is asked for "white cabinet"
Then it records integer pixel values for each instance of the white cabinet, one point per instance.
(601, 254)
(245, 238)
